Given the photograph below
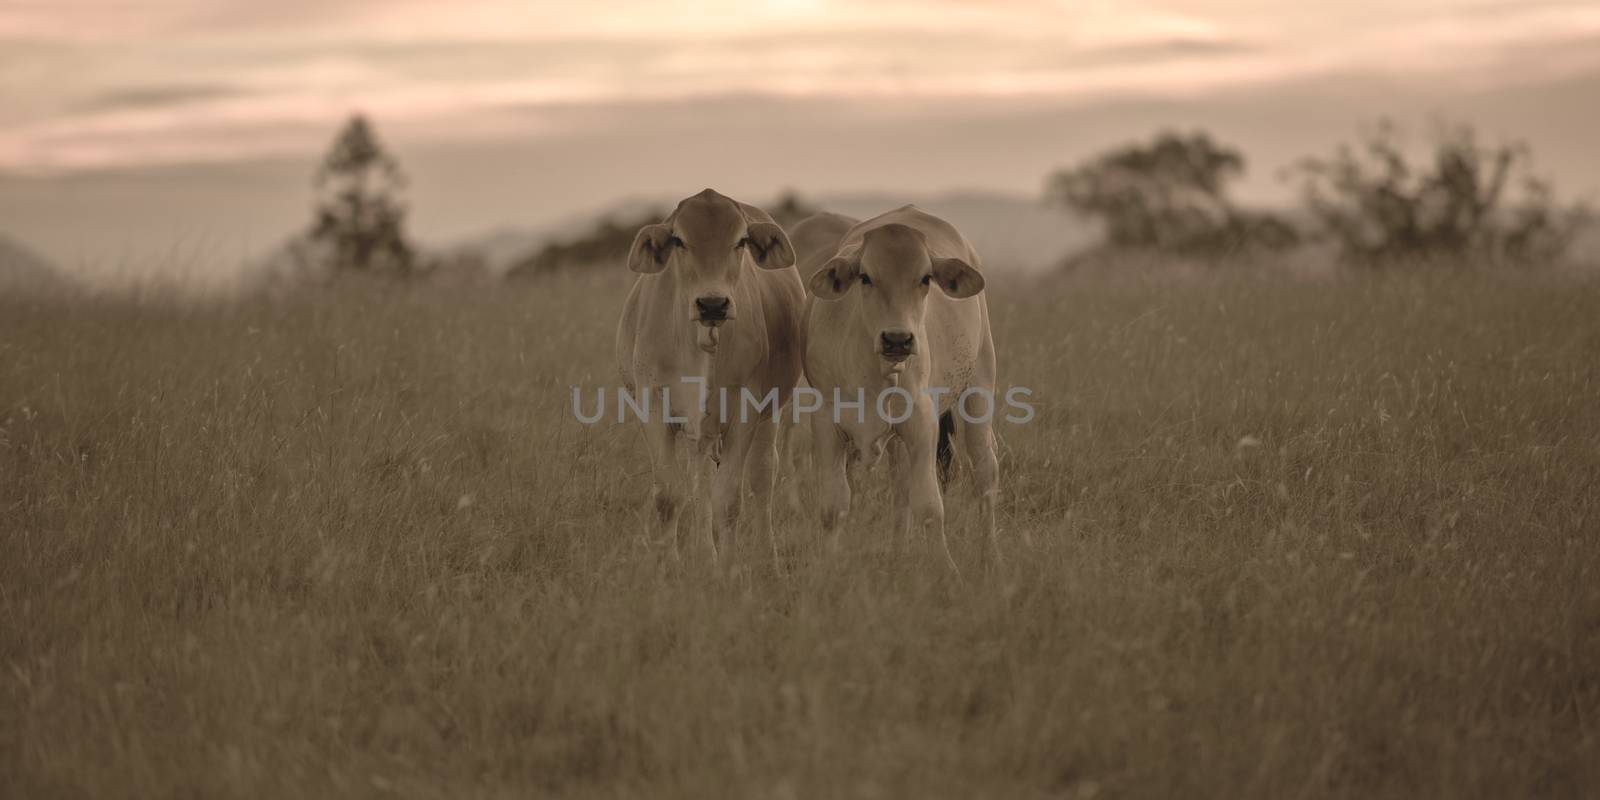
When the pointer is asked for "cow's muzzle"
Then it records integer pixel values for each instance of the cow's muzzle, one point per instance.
(897, 345)
(713, 310)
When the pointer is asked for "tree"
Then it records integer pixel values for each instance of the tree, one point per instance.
(1168, 195)
(360, 219)
(1471, 200)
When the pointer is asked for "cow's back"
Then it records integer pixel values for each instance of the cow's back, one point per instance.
(816, 239)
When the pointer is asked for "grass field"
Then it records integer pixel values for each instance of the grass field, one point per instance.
(1289, 539)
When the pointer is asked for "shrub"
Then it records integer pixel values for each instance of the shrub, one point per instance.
(1168, 195)
(1467, 201)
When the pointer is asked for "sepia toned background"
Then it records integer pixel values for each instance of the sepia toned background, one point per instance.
(1310, 506)
(187, 129)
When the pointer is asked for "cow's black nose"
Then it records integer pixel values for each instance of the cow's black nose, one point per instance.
(712, 307)
(897, 342)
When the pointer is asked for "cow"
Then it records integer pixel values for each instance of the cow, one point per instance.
(815, 239)
(714, 313)
(899, 305)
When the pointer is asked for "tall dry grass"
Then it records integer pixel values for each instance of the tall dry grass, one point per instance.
(1290, 539)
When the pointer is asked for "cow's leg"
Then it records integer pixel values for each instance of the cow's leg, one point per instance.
(828, 457)
(668, 491)
(703, 469)
(921, 479)
(977, 439)
(727, 490)
(788, 475)
(900, 465)
(765, 457)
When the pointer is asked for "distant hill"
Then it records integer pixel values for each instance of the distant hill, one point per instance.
(1011, 232)
(24, 271)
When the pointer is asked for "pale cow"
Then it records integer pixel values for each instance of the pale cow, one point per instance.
(815, 238)
(899, 303)
(717, 300)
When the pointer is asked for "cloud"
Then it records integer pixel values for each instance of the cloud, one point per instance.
(99, 83)
(1165, 50)
(158, 96)
(117, 20)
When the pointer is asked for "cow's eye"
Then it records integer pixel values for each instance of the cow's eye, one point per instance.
(675, 242)
(745, 242)
(866, 280)
(926, 279)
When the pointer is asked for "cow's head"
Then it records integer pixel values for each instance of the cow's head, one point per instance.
(705, 243)
(892, 273)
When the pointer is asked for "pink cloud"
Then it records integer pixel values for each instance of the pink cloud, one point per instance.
(106, 83)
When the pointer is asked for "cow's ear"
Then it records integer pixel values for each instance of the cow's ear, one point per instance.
(650, 249)
(834, 279)
(957, 278)
(769, 246)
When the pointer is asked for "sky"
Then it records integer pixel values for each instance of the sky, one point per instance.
(171, 129)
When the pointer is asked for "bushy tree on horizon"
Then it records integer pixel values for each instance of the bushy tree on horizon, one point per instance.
(1169, 194)
(608, 240)
(360, 216)
(1379, 206)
